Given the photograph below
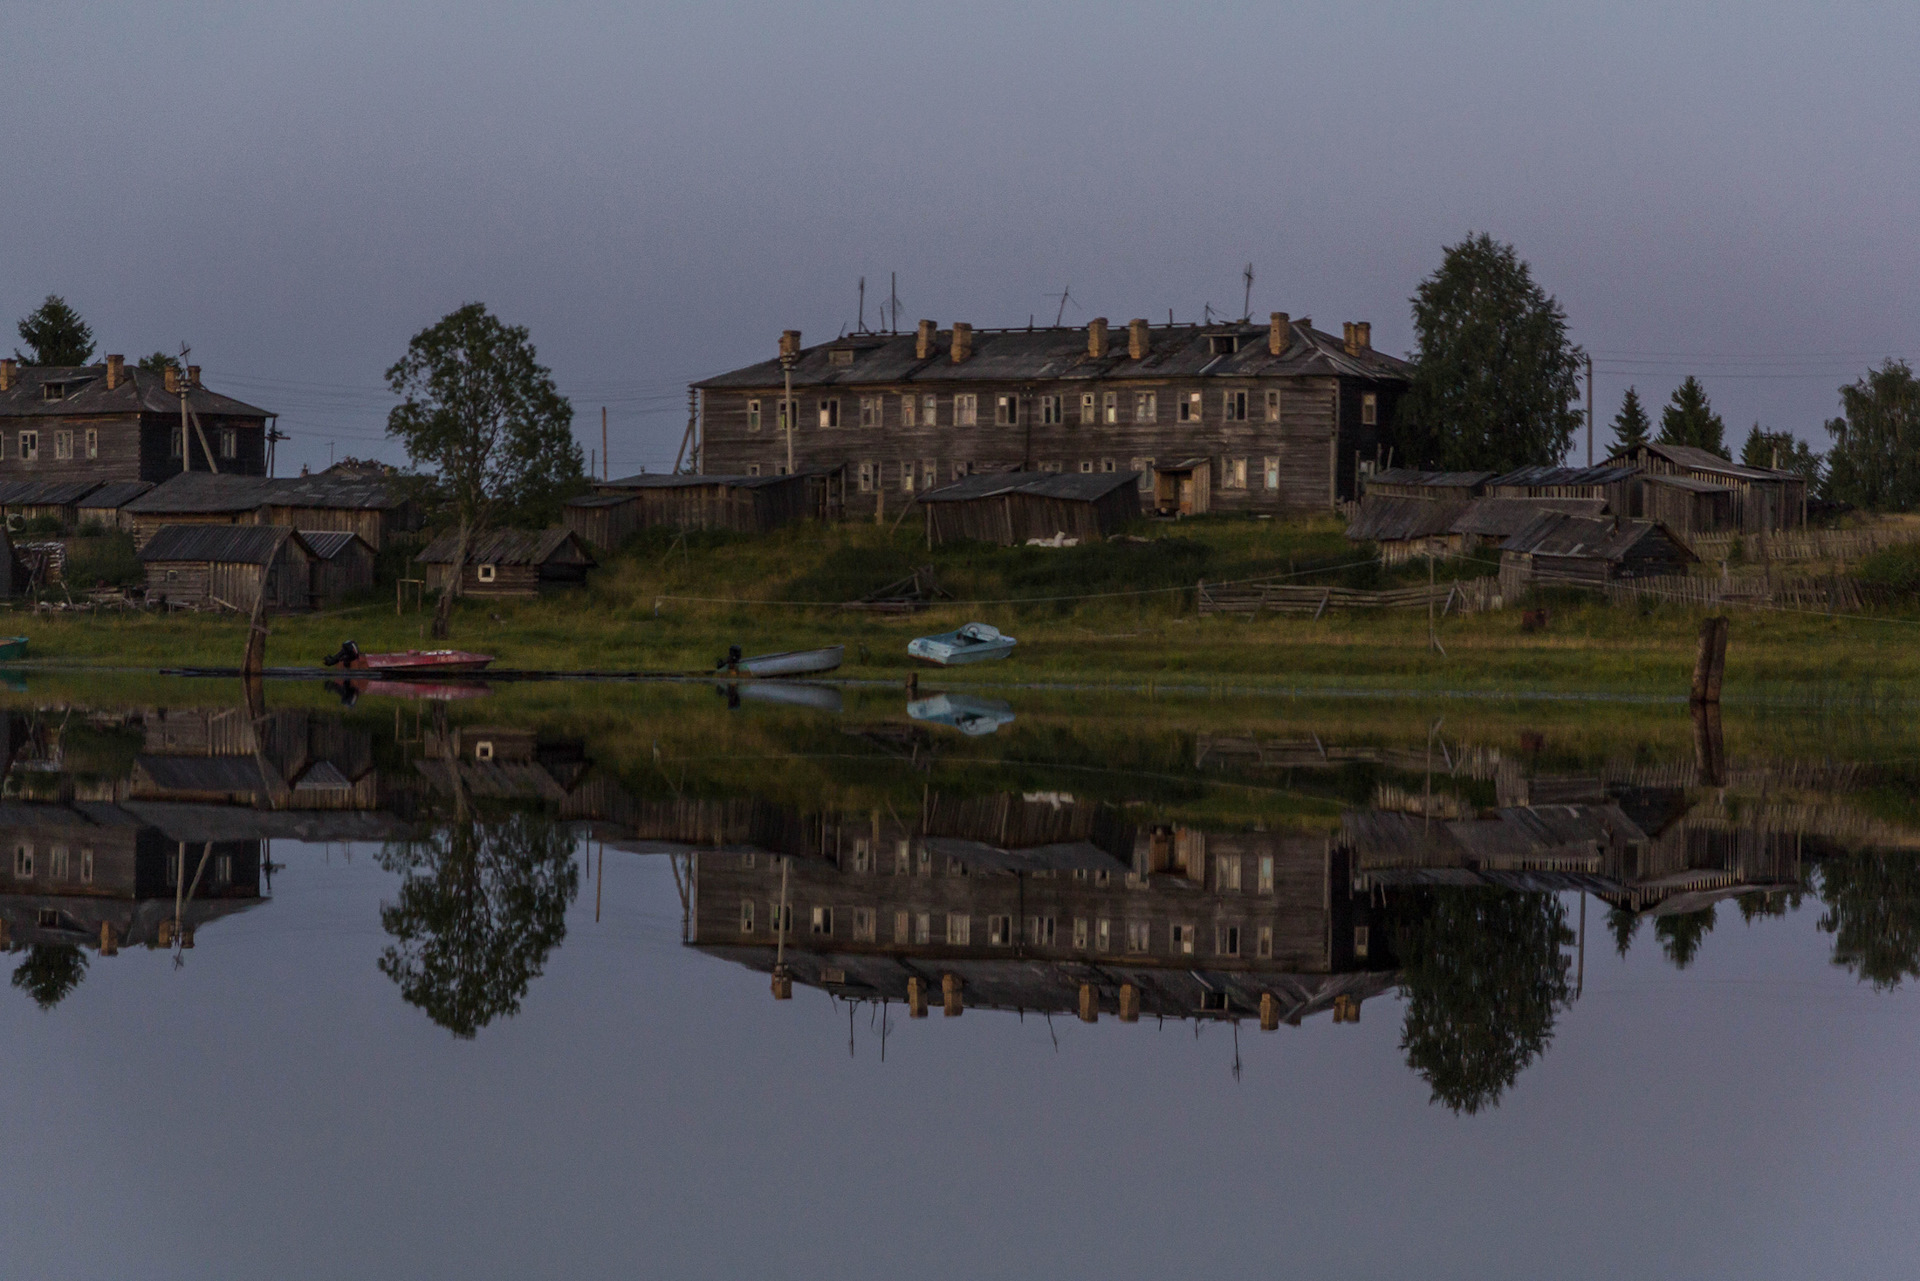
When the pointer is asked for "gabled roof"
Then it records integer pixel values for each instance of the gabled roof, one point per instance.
(1560, 534)
(1003, 355)
(44, 493)
(1076, 486)
(1505, 517)
(1412, 478)
(228, 544)
(511, 547)
(328, 543)
(1540, 475)
(218, 492)
(1385, 518)
(1696, 459)
(671, 480)
(139, 392)
(115, 494)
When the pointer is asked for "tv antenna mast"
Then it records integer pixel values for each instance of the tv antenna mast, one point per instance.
(1066, 295)
(1246, 310)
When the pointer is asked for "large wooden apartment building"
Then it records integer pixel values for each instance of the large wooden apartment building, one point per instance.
(1248, 416)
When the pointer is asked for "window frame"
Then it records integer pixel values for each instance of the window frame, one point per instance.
(1273, 404)
(873, 413)
(1006, 410)
(30, 446)
(1146, 407)
(1233, 405)
(1109, 408)
(828, 412)
(1089, 409)
(753, 413)
(1190, 408)
(966, 409)
(1369, 409)
(1050, 414)
(486, 573)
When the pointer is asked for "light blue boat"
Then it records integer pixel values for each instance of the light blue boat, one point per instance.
(969, 715)
(974, 643)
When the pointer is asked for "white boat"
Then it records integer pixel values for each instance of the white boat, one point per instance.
(799, 662)
(969, 715)
(974, 643)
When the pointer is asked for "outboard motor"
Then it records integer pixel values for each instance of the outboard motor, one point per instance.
(347, 653)
(731, 661)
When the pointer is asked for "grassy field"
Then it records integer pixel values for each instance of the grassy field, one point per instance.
(1119, 613)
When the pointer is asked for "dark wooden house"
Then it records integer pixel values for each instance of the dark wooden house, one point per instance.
(1488, 522)
(372, 507)
(113, 421)
(342, 564)
(510, 562)
(1012, 508)
(1557, 549)
(227, 567)
(1281, 414)
(1764, 500)
(749, 504)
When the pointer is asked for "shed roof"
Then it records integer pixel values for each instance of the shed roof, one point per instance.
(328, 543)
(115, 494)
(1384, 518)
(228, 544)
(600, 500)
(139, 392)
(1505, 517)
(509, 547)
(1560, 534)
(1697, 459)
(1410, 476)
(1540, 475)
(671, 480)
(44, 493)
(1003, 355)
(212, 492)
(1692, 484)
(1072, 486)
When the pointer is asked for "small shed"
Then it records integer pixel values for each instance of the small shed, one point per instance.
(1406, 528)
(228, 566)
(1183, 488)
(1764, 500)
(1612, 483)
(25, 500)
(747, 504)
(373, 506)
(1012, 507)
(1445, 486)
(1559, 549)
(106, 505)
(342, 564)
(1686, 505)
(602, 520)
(1488, 522)
(510, 562)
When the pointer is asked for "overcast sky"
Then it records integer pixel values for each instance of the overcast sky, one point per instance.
(656, 191)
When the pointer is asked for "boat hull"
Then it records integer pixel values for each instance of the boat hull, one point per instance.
(13, 647)
(957, 648)
(800, 662)
(437, 662)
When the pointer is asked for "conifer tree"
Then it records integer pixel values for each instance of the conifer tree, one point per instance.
(55, 335)
(1689, 419)
(1631, 426)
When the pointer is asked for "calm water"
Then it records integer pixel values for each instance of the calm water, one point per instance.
(1088, 985)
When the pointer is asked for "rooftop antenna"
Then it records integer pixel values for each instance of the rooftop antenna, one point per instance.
(1246, 310)
(893, 302)
(1060, 315)
(863, 305)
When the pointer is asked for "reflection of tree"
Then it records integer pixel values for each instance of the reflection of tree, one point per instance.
(1624, 924)
(1484, 974)
(1873, 912)
(50, 973)
(481, 906)
(1680, 935)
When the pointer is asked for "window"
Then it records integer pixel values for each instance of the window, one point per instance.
(63, 444)
(1360, 942)
(966, 410)
(902, 858)
(829, 413)
(929, 411)
(1110, 408)
(1145, 467)
(1146, 407)
(1052, 466)
(863, 924)
(86, 866)
(840, 356)
(1273, 475)
(779, 469)
(1223, 344)
(923, 928)
(1006, 411)
(862, 855)
(1108, 465)
(1233, 473)
(902, 927)
(1190, 407)
(746, 860)
(1226, 873)
(746, 916)
(955, 867)
(872, 412)
(926, 862)
(1181, 940)
(753, 469)
(486, 573)
(23, 863)
(906, 477)
(1000, 931)
(1086, 410)
(822, 921)
(929, 474)
(173, 440)
(789, 408)
(780, 921)
(1082, 932)
(753, 415)
(29, 445)
(909, 415)
(1103, 935)
(1266, 942)
(1226, 940)
(1050, 410)
(1273, 405)
(1234, 406)
(1369, 410)
(1139, 936)
(173, 575)
(483, 750)
(229, 443)
(959, 470)
(59, 865)
(959, 929)
(1086, 465)
(1265, 883)
(53, 391)
(1040, 931)
(866, 477)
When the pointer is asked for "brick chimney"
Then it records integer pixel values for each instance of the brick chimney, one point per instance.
(923, 340)
(6, 375)
(1139, 341)
(789, 343)
(962, 341)
(170, 379)
(1350, 340)
(193, 376)
(1097, 338)
(116, 371)
(1279, 333)
(1363, 334)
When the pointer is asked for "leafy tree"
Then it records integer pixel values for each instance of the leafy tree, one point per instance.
(481, 906)
(1872, 899)
(55, 335)
(159, 362)
(479, 409)
(1689, 419)
(1782, 450)
(1631, 426)
(50, 972)
(1681, 934)
(1484, 977)
(1495, 378)
(1875, 459)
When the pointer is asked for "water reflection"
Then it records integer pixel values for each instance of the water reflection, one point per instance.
(1139, 871)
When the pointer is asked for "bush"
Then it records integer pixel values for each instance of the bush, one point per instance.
(108, 558)
(42, 527)
(1896, 569)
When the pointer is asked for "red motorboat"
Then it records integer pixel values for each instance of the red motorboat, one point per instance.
(439, 662)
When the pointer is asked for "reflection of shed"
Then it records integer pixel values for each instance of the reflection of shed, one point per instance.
(747, 504)
(1579, 551)
(1183, 488)
(228, 566)
(1686, 505)
(1404, 528)
(342, 564)
(1012, 507)
(510, 562)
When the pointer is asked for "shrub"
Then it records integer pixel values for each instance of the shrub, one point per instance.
(1895, 569)
(108, 558)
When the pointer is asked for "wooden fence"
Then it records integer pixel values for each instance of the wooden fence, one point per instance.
(1803, 544)
(1834, 595)
(1271, 596)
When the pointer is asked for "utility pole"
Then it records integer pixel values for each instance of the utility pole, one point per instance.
(274, 437)
(603, 443)
(786, 367)
(1589, 411)
(180, 382)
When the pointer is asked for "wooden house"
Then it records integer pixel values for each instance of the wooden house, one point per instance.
(342, 564)
(370, 506)
(748, 504)
(1406, 528)
(106, 504)
(228, 567)
(1686, 505)
(1612, 484)
(113, 421)
(1557, 549)
(1014, 507)
(1280, 414)
(510, 562)
(1764, 500)
(25, 500)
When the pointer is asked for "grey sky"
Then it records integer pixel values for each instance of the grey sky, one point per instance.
(657, 190)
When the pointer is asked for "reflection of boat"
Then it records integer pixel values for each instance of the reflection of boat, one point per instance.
(349, 691)
(13, 647)
(799, 662)
(821, 698)
(974, 643)
(965, 713)
(449, 661)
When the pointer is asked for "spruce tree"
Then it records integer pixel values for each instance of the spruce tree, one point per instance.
(1689, 419)
(1631, 426)
(55, 335)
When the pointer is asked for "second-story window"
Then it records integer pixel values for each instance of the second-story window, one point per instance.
(909, 411)
(29, 445)
(1110, 407)
(93, 443)
(1006, 411)
(830, 413)
(789, 408)
(1369, 410)
(1146, 407)
(1087, 410)
(229, 443)
(1273, 406)
(753, 415)
(870, 411)
(1049, 410)
(1190, 407)
(63, 444)
(966, 410)
(1234, 406)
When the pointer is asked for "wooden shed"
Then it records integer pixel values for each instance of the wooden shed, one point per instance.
(1184, 488)
(1559, 549)
(1488, 522)
(748, 504)
(602, 520)
(1013, 507)
(342, 564)
(1445, 486)
(369, 506)
(25, 500)
(106, 505)
(1405, 528)
(1686, 505)
(1764, 500)
(227, 567)
(510, 562)
(1612, 483)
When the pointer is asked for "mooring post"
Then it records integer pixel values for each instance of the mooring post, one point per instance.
(1703, 662)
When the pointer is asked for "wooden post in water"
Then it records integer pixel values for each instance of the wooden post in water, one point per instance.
(1269, 1013)
(916, 997)
(1710, 661)
(1089, 1003)
(1129, 1003)
(1709, 746)
(950, 995)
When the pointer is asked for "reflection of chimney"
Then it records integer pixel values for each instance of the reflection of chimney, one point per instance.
(1279, 334)
(116, 371)
(962, 341)
(1089, 1003)
(789, 343)
(170, 379)
(193, 376)
(6, 375)
(923, 342)
(1139, 340)
(1097, 338)
(916, 997)
(950, 995)
(1129, 1003)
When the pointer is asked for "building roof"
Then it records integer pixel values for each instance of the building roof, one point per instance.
(44, 493)
(1072, 486)
(1561, 534)
(1412, 477)
(229, 544)
(1692, 484)
(211, 492)
(139, 392)
(1505, 517)
(115, 494)
(672, 480)
(328, 543)
(600, 500)
(1385, 518)
(1006, 355)
(347, 490)
(508, 547)
(1541, 475)
(1697, 459)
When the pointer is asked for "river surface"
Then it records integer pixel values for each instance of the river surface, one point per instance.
(692, 981)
